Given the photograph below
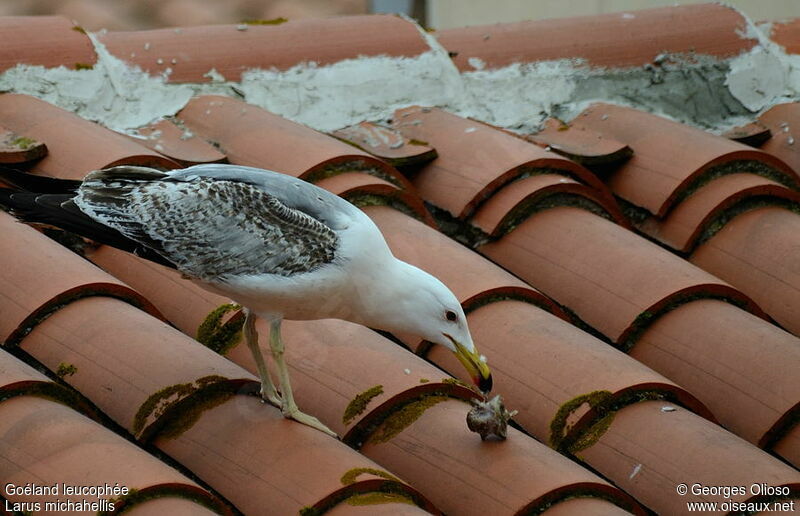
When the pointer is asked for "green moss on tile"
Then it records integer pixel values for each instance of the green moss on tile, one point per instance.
(272, 21)
(64, 369)
(538, 203)
(363, 200)
(378, 499)
(414, 141)
(401, 419)
(359, 404)
(736, 167)
(21, 142)
(191, 411)
(558, 425)
(159, 402)
(648, 317)
(221, 337)
(715, 225)
(350, 476)
(84, 66)
(591, 435)
(354, 165)
(78, 28)
(423, 380)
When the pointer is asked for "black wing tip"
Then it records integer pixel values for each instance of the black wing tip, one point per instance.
(23, 180)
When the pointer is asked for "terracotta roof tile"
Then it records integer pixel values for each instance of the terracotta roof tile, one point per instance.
(766, 390)
(76, 146)
(607, 40)
(754, 134)
(387, 144)
(657, 177)
(45, 442)
(511, 205)
(167, 138)
(582, 145)
(31, 287)
(326, 377)
(680, 445)
(48, 41)
(695, 218)
(543, 365)
(756, 251)
(419, 453)
(543, 251)
(19, 149)
(464, 175)
(191, 52)
(542, 216)
(251, 136)
(362, 189)
(126, 362)
(787, 35)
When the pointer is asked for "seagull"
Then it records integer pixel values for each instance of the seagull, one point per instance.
(280, 247)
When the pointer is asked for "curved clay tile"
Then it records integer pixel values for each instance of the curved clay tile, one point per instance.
(746, 373)
(544, 367)
(692, 219)
(787, 35)
(475, 159)
(128, 364)
(651, 448)
(14, 371)
(783, 121)
(500, 478)
(48, 41)
(44, 442)
(606, 40)
(167, 138)
(252, 136)
(754, 134)
(789, 446)
(520, 199)
(757, 251)
(257, 459)
(363, 189)
(671, 159)
(19, 149)
(192, 52)
(76, 146)
(332, 362)
(387, 144)
(581, 145)
(93, 335)
(575, 257)
(39, 277)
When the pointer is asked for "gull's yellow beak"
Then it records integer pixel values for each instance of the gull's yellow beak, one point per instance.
(475, 366)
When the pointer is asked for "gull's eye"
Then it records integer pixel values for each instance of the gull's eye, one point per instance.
(450, 315)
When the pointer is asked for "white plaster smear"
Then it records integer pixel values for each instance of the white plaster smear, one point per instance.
(708, 92)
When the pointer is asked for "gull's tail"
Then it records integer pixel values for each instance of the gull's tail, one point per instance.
(48, 201)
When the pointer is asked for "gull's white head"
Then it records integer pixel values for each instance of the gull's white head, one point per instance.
(420, 304)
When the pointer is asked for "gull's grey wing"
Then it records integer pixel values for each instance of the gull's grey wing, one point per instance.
(292, 192)
(209, 228)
